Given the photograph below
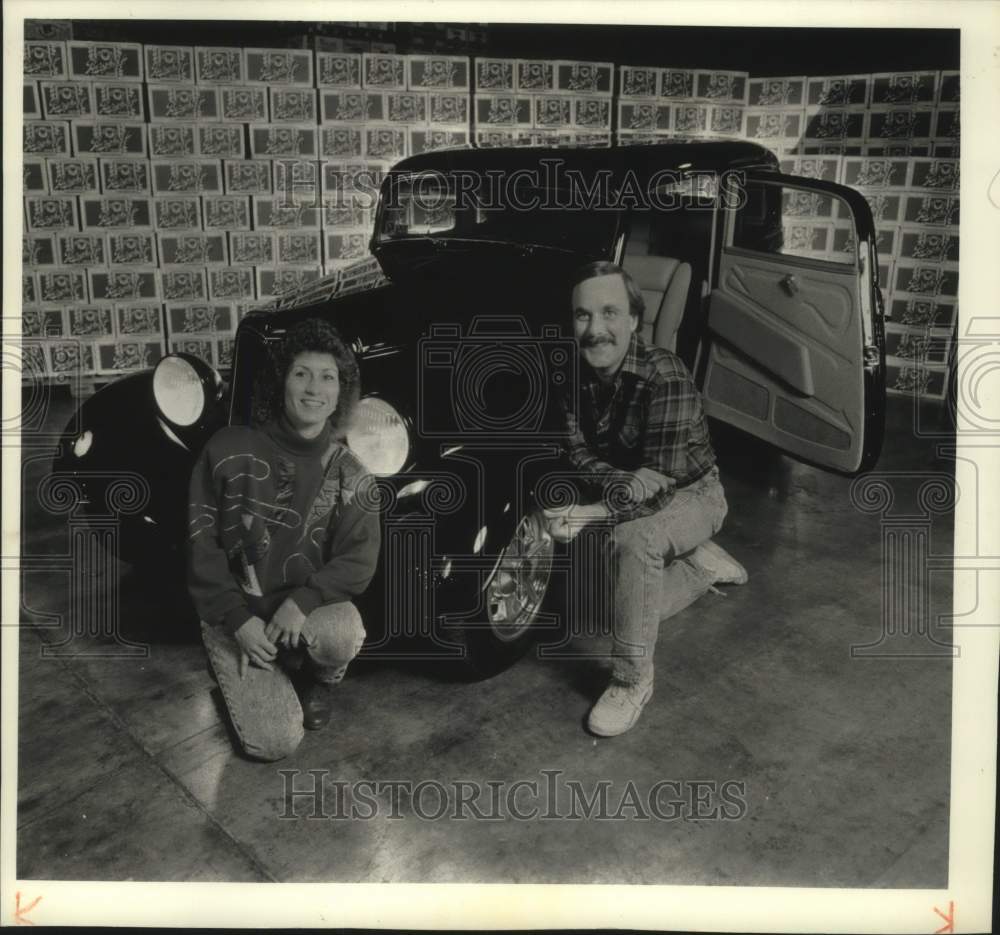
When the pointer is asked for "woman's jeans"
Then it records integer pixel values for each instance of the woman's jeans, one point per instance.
(653, 577)
(263, 705)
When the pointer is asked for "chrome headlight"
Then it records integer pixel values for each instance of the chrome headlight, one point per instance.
(379, 437)
(179, 391)
(82, 443)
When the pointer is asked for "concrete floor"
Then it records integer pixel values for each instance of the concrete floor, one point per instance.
(127, 770)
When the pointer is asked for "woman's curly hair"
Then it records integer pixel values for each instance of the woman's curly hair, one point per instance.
(316, 335)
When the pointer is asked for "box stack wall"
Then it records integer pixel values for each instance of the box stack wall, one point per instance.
(167, 189)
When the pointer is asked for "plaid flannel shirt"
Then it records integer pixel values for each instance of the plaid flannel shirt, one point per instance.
(650, 416)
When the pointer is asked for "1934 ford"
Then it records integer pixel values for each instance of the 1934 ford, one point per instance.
(464, 339)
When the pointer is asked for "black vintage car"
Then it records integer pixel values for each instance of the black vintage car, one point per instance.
(464, 336)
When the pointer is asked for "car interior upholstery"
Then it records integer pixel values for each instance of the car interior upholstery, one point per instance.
(664, 282)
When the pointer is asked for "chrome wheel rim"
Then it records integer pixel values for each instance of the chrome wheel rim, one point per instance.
(518, 584)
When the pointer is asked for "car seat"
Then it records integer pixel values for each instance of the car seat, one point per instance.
(664, 283)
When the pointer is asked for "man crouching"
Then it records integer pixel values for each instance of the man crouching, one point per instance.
(641, 443)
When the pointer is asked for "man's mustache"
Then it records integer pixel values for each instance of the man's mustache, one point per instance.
(597, 341)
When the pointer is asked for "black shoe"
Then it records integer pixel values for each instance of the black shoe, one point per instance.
(317, 706)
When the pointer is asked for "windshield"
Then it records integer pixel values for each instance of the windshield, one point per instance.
(495, 208)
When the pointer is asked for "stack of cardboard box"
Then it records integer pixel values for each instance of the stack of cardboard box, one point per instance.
(523, 102)
(657, 104)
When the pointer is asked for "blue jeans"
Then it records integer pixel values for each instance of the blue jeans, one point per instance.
(263, 706)
(653, 578)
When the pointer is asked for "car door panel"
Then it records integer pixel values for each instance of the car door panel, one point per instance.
(786, 343)
(744, 326)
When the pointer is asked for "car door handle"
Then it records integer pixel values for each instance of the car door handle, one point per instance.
(789, 284)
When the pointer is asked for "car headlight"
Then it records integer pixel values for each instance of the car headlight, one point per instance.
(379, 437)
(178, 390)
(82, 443)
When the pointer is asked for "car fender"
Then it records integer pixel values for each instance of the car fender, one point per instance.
(469, 501)
(118, 434)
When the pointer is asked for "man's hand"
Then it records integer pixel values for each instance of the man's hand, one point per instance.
(286, 624)
(254, 645)
(564, 523)
(559, 525)
(646, 483)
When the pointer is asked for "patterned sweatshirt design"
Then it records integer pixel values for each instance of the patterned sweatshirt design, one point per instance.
(273, 515)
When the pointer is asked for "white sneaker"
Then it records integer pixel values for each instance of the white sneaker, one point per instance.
(723, 568)
(618, 708)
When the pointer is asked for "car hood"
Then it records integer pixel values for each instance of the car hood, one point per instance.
(433, 286)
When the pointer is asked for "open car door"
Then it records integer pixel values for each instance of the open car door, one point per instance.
(795, 348)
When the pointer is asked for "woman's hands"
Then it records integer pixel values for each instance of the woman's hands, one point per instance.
(259, 641)
(254, 645)
(285, 627)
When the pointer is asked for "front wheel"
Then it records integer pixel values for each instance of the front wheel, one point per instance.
(512, 599)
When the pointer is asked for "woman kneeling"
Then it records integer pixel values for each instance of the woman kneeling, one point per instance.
(284, 533)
